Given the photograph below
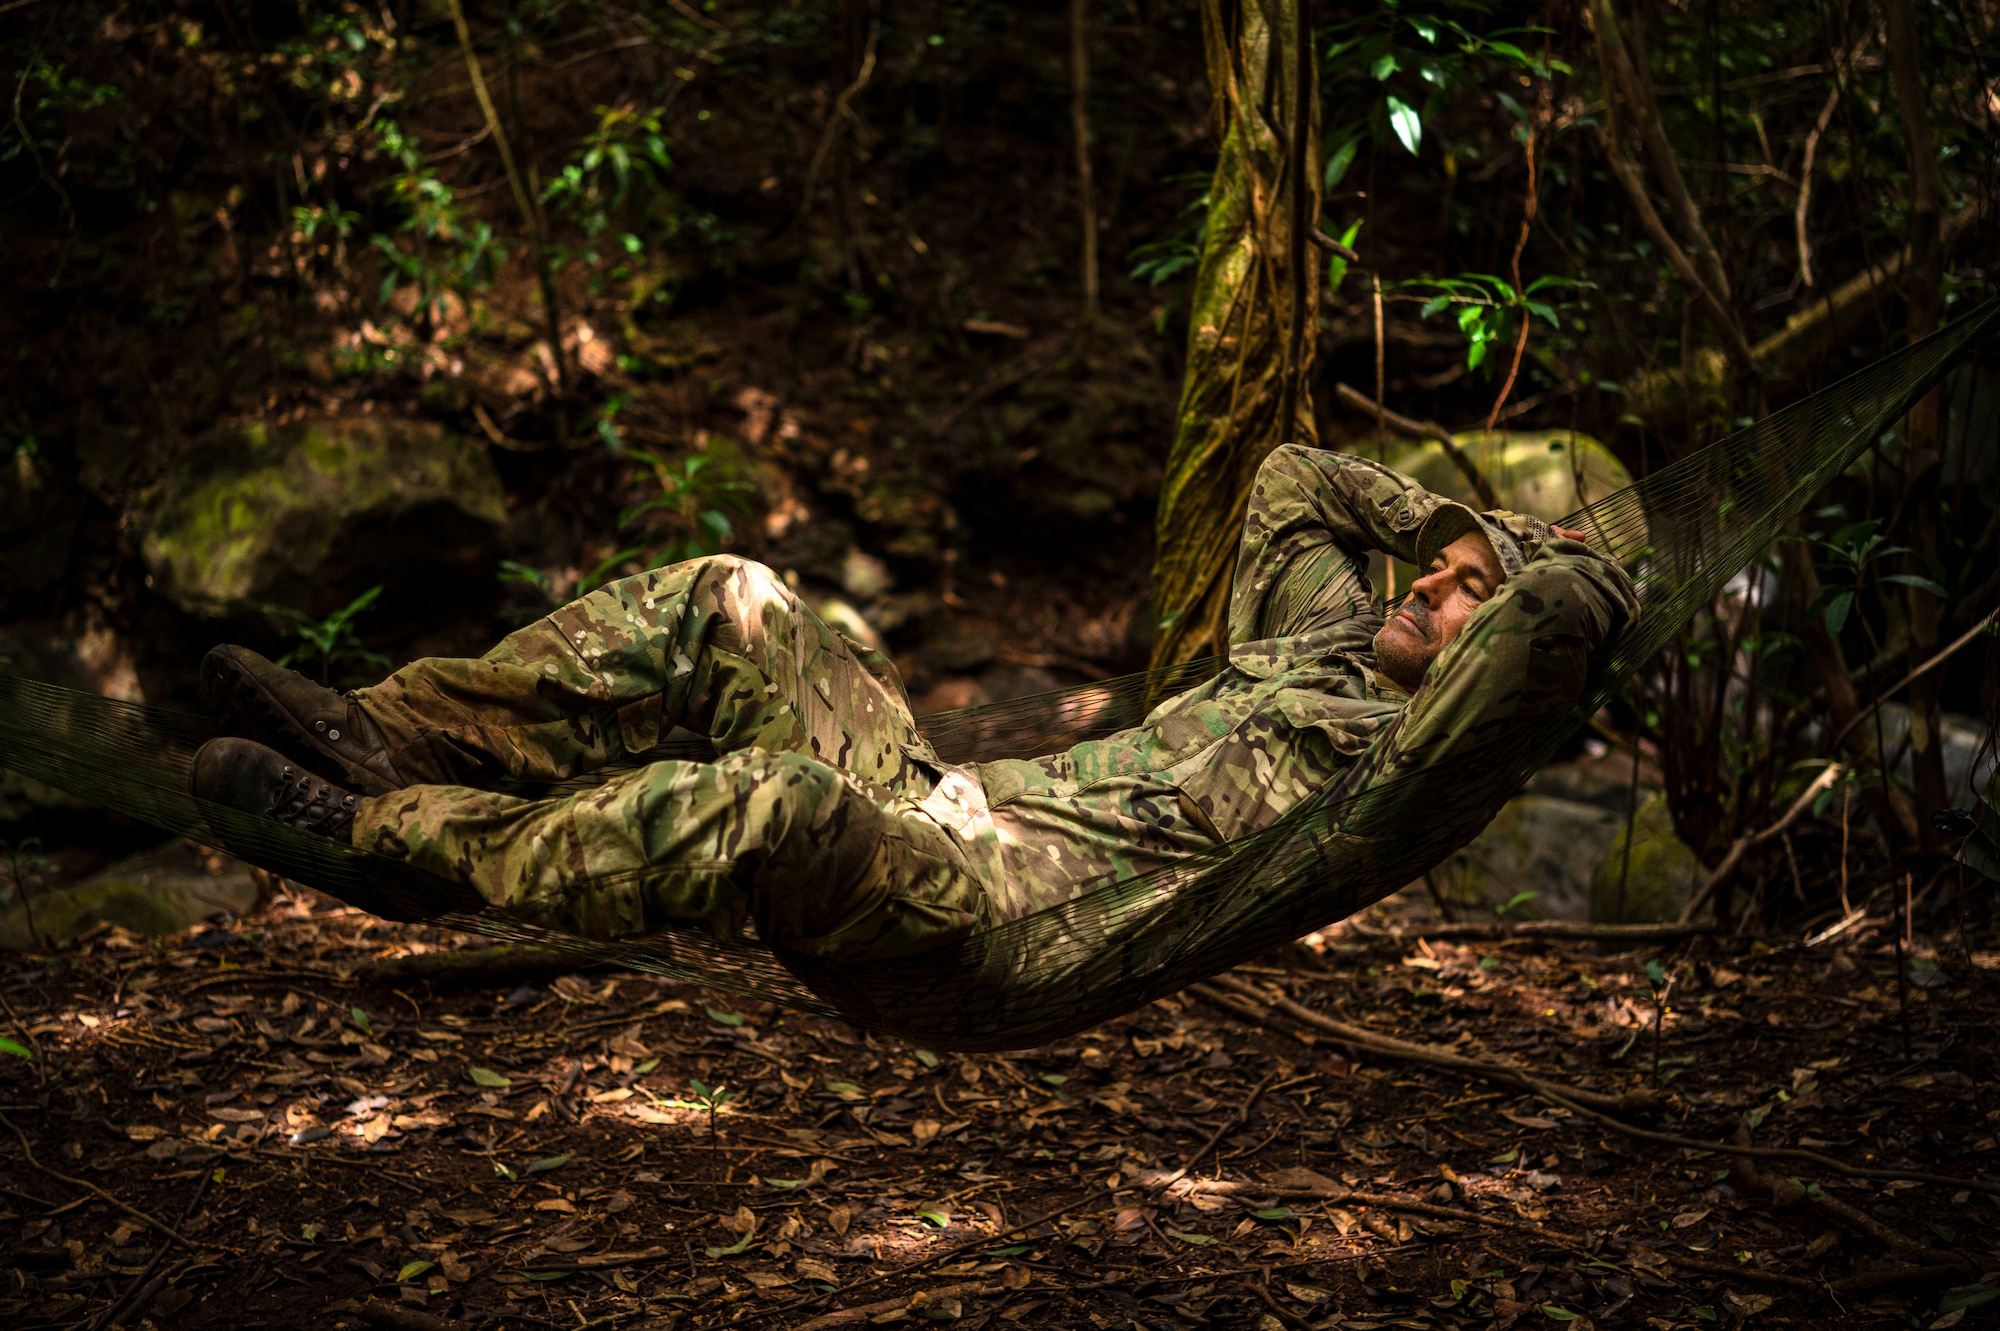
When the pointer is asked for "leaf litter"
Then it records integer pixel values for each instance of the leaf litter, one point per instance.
(332, 1147)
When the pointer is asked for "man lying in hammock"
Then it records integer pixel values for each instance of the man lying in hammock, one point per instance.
(828, 821)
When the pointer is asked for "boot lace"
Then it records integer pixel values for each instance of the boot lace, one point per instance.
(311, 805)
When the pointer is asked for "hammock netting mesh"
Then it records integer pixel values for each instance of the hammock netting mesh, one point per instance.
(1683, 531)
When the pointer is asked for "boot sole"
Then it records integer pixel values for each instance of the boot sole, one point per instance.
(234, 695)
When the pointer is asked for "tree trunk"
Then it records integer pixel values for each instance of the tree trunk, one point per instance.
(1923, 280)
(1242, 364)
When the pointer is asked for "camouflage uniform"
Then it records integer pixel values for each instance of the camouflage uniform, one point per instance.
(829, 821)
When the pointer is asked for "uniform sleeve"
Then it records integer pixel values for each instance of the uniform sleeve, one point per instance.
(1521, 661)
(1314, 516)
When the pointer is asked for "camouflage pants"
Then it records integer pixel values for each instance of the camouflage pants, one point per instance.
(807, 822)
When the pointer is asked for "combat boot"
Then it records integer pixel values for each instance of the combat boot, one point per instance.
(321, 729)
(245, 775)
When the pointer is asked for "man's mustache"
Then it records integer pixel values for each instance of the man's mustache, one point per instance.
(1419, 615)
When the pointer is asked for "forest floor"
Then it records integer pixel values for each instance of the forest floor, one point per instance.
(332, 1145)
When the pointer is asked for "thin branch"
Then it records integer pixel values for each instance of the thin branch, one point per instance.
(133, 1211)
(843, 109)
(1920, 671)
(1748, 840)
(1079, 113)
(1805, 185)
(1411, 428)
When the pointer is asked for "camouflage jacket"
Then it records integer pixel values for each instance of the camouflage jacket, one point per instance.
(1300, 704)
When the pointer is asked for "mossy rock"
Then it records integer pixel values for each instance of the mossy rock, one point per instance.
(1538, 854)
(1663, 873)
(141, 895)
(1547, 473)
(309, 514)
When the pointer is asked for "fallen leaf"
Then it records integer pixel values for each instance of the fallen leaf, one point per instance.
(723, 1018)
(1752, 1304)
(838, 1218)
(545, 1164)
(1308, 1293)
(809, 1269)
(1688, 1219)
(488, 1077)
(412, 1269)
(1198, 1240)
(555, 1204)
(1535, 1121)
(238, 1115)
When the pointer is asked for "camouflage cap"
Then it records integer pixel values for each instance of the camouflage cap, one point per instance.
(1515, 537)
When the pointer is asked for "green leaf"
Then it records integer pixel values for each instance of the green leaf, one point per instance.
(724, 1018)
(927, 1058)
(1460, 1288)
(502, 1171)
(1198, 1240)
(1557, 1314)
(844, 1088)
(1705, 1312)
(18, 1050)
(360, 1020)
(1341, 159)
(545, 1164)
(648, 1066)
(1054, 1078)
(1011, 1250)
(939, 1218)
(411, 1269)
(1409, 126)
(1507, 1157)
(1384, 66)
(784, 1182)
(1274, 1213)
(736, 1247)
(1968, 1296)
(1919, 582)
(488, 1077)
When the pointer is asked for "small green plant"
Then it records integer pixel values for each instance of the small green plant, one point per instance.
(1847, 555)
(332, 641)
(1660, 982)
(441, 249)
(25, 867)
(701, 1097)
(690, 510)
(1489, 309)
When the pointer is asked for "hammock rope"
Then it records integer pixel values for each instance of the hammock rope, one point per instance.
(1684, 531)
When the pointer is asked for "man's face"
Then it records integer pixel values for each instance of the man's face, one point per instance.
(1461, 578)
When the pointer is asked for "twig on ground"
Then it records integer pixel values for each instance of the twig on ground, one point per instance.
(1575, 1099)
(141, 1290)
(1332, 1192)
(133, 1211)
(910, 1268)
(1572, 930)
(1788, 1192)
(1241, 1116)
(869, 1311)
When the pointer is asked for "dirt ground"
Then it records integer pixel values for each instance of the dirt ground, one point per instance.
(331, 1145)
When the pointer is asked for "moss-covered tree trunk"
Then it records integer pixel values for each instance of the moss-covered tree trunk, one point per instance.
(1240, 345)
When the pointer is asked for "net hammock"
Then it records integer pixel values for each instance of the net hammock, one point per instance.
(1683, 531)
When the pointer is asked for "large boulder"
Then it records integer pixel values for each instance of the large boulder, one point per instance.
(309, 514)
(1656, 881)
(1537, 856)
(1547, 473)
(159, 892)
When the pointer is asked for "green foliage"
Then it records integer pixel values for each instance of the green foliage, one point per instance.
(626, 151)
(1849, 553)
(442, 249)
(1392, 67)
(690, 510)
(331, 642)
(1489, 309)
